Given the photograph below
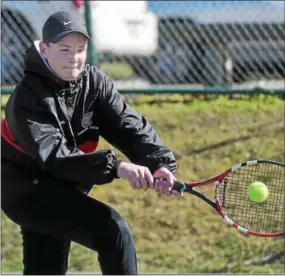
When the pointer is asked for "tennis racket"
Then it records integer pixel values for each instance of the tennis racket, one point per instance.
(232, 201)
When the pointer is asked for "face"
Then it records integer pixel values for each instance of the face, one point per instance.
(66, 57)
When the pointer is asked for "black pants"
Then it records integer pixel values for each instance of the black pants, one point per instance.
(52, 214)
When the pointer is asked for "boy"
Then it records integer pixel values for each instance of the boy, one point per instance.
(49, 164)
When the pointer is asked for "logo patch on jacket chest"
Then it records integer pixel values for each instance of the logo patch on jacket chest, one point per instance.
(87, 119)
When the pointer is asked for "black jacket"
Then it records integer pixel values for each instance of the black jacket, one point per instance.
(54, 126)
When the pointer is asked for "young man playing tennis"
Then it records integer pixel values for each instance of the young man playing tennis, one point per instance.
(53, 122)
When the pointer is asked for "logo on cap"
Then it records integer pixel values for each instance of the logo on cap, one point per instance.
(66, 23)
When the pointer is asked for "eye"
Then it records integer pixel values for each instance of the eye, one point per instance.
(81, 51)
(64, 50)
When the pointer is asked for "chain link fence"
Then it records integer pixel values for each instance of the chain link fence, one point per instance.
(199, 43)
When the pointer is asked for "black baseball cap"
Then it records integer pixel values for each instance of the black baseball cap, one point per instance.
(61, 24)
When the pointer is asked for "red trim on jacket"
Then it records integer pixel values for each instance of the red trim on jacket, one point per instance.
(88, 146)
(7, 135)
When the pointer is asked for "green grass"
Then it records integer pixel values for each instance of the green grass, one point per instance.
(185, 235)
(117, 70)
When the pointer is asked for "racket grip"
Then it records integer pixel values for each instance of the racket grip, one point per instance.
(179, 186)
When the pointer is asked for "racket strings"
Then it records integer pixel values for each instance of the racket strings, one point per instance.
(266, 217)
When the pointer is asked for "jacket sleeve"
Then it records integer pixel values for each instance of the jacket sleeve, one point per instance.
(36, 129)
(130, 132)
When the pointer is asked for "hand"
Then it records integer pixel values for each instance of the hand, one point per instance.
(164, 180)
(140, 177)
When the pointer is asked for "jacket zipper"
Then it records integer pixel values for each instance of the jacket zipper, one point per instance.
(65, 111)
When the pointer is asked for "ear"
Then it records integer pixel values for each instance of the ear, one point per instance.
(43, 48)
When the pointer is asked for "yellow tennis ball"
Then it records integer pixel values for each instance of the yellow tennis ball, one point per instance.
(258, 192)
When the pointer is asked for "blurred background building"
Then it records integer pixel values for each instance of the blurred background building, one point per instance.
(156, 43)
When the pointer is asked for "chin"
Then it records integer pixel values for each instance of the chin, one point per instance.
(71, 77)
(67, 78)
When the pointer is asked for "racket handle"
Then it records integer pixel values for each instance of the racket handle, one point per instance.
(179, 186)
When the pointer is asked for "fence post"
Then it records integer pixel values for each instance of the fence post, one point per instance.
(91, 47)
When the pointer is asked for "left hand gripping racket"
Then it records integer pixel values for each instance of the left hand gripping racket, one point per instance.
(232, 202)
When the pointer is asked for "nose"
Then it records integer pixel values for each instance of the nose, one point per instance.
(73, 57)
